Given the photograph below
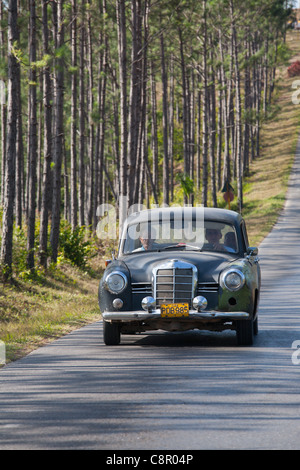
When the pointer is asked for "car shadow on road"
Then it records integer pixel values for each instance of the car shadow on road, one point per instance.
(183, 339)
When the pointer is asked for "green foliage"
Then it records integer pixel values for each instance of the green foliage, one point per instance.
(75, 246)
(186, 182)
(19, 251)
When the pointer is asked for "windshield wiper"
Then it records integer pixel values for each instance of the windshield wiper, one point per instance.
(180, 246)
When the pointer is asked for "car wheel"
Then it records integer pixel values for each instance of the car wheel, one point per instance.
(111, 333)
(244, 332)
(255, 326)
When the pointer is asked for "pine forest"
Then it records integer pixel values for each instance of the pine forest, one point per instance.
(142, 101)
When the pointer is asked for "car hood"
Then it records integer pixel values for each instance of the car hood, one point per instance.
(209, 265)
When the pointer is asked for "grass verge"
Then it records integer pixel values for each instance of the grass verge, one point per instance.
(49, 305)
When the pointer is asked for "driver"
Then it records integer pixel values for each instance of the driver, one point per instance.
(146, 239)
(213, 236)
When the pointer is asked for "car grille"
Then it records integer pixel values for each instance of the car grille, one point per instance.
(174, 282)
(205, 287)
(144, 288)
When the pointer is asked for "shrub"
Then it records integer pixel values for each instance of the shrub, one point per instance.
(75, 246)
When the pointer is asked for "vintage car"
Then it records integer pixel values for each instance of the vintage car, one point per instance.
(180, 269)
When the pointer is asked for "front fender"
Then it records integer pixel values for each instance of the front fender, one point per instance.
(105, 298)
(243, 299)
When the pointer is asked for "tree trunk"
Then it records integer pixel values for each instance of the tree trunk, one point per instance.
(134, 98)
(238, 114)
(81, 169)
(165, 123)
(185, 113)
(154, 142)
(19, 157)
(46, 182)
(91, 127)
(3, 110)
(32, 143)
(12, 110)
(99, 148)
(122, 46)
(171, 128)
(73, 149)
(59, 135)
(205, 113)
(212, 136)
(226, 94)
(220, 132)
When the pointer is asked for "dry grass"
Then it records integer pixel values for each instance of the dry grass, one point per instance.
(34, 312)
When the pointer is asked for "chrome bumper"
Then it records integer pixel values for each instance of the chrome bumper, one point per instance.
(141, 315)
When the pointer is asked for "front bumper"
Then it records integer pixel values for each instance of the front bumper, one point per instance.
(142, 315)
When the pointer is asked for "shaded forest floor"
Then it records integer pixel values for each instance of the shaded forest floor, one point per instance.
(37, 310)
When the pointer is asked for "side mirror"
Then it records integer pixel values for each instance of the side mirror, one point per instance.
(252, 251)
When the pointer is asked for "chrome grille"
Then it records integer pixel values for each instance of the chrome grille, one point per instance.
(174, 281)
(144, 288)
(204, 287)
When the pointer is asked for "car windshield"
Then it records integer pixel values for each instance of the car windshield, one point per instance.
(176, 235)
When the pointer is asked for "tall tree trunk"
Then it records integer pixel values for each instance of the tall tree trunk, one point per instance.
(219, 132)
(205, 113)
(3, 110)
(192, 131)
(142, 155)
(135, 97)
(226, 95)
(165, 123)
(19, 156)
(171, 128)
(73, 153)
(212, 136)
(198, 163)
(46, 181)
(12, 110)
(122, 49)
(185, 113)
(32, 144)
(59, 138)
(154, 141)
(91, 127)
(247, 107)
(238, 113)
(99, 148)
(81, 169)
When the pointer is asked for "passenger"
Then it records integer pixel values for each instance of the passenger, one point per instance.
(213, 236)
(230, 241)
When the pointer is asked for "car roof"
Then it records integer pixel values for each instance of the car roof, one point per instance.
(210, 213)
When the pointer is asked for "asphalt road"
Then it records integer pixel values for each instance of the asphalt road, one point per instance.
(170, 391)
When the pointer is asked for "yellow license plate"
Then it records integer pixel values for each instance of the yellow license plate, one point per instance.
(174, 310)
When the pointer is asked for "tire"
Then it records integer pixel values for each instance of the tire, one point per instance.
(255, 326)
(244, 332)
(111, 333)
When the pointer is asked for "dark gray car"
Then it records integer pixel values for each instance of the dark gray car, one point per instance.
(180, 269)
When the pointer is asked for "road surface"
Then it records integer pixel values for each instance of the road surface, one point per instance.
(194, 390)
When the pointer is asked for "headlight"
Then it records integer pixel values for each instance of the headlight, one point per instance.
(233, 280)
(116, 282)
